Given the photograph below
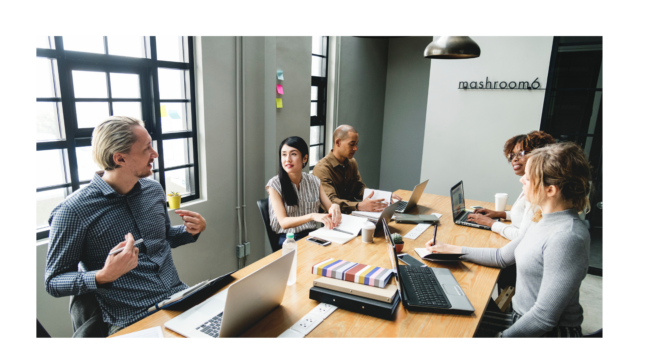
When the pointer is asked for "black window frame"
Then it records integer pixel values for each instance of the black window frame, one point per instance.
(322, 86)
(147, 69)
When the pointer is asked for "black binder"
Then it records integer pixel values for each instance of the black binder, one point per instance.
(201, 294)
(358, 304)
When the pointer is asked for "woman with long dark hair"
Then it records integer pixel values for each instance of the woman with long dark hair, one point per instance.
(551, 254)
(295, 196)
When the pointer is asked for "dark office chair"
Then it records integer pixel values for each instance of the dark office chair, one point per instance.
(40, 331)
(265, 214)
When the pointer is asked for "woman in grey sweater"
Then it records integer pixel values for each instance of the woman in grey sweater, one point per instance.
(551, 252)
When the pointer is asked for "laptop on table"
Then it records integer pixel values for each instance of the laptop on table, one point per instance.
(232, 311)
(458, 208)
(427, 288)
(404, 206)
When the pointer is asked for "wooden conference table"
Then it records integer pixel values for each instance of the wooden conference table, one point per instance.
(476, 281)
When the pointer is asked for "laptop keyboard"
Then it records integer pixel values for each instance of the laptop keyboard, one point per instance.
(212, 326)
(422, 282)
(401, 206)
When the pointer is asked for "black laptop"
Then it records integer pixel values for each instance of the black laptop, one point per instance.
(458, 208)
(427, 288)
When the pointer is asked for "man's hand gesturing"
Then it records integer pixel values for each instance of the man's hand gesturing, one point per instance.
(119, 264)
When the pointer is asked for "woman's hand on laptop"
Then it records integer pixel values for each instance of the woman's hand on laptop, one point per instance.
(489, 213)
(335, 215)
(480, 219)
(439, 247)
(395, 198)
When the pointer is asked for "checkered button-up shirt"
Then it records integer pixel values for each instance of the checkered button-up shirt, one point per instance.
(93, 220)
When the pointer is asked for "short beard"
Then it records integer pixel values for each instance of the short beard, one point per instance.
(145, 174)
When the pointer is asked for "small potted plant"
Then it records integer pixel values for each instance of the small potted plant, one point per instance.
(399, 242)
(174, 200)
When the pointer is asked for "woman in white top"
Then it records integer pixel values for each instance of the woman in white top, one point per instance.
(295, 196)
(516, 150)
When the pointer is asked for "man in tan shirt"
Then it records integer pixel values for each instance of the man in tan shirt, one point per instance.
(339, 174)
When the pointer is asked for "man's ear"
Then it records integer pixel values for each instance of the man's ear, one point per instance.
(338, 142)
(118, 158)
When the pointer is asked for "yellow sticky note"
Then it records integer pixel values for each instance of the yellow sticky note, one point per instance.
(163, 111)
(279, 103)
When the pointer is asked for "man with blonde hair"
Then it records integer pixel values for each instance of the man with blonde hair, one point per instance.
(119, 204)
(339, 174)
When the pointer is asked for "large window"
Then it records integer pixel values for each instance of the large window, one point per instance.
(573, 112)
(85, 79)
(318, 99)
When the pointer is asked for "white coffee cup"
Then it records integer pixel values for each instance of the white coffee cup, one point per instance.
(368, 230)
(500, 201)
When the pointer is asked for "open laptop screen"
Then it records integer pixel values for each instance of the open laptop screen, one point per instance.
(458, 200)
(392, 256)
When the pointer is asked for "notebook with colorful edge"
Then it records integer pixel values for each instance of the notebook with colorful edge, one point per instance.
(353, 272)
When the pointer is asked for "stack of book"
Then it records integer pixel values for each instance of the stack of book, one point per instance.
(356, 287)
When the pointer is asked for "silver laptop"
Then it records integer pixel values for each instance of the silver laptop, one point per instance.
(232, 311)
(404, 206)
(427, 288)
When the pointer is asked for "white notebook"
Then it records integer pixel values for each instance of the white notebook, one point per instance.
(348, 229)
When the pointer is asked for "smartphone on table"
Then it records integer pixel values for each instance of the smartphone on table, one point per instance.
(317, 240)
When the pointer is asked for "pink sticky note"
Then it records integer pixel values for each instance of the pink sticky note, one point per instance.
(279, 89)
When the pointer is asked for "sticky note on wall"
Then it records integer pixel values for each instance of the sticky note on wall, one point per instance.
(279, 89)
(163, 111)
(279, 103)
(279, 74)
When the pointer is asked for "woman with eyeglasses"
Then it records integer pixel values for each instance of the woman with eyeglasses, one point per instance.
(295, 196)
(551, 254)
(516, 150)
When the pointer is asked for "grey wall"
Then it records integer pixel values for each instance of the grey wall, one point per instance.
(405, 110)
(362, 86)
(214, 253)
(466, 129)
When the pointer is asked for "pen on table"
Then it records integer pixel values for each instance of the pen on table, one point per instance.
(341, 230)
(122, 248)
(435, 230)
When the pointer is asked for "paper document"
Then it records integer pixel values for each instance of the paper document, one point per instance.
(379, 194)
(348, 229)
(422, 252)
(155, 332)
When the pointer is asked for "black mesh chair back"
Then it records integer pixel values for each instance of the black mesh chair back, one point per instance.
(265, 214)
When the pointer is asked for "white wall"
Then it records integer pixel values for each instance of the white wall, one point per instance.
(466, 129)
(214, 253)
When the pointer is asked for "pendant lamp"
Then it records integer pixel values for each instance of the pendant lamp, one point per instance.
(446, 47)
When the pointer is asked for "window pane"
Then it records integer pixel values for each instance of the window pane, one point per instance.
(51, 170)
(313, 93)
(171, 83)
(47, 126)
(169, 48)
(175, 152)
(86, 165)
(124, 85)
(45, 203)
(315, 134)
(314, 155)
(318, 67)
(45, 85)
(313, 108)
(132, 109)
(43, 42)
(174, 117)
(90, 84)
(319, 45)
(84, 43)
(176, 181)
(89, 114)
(129, 46)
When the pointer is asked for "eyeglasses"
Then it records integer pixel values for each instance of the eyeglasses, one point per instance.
(513, 156)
